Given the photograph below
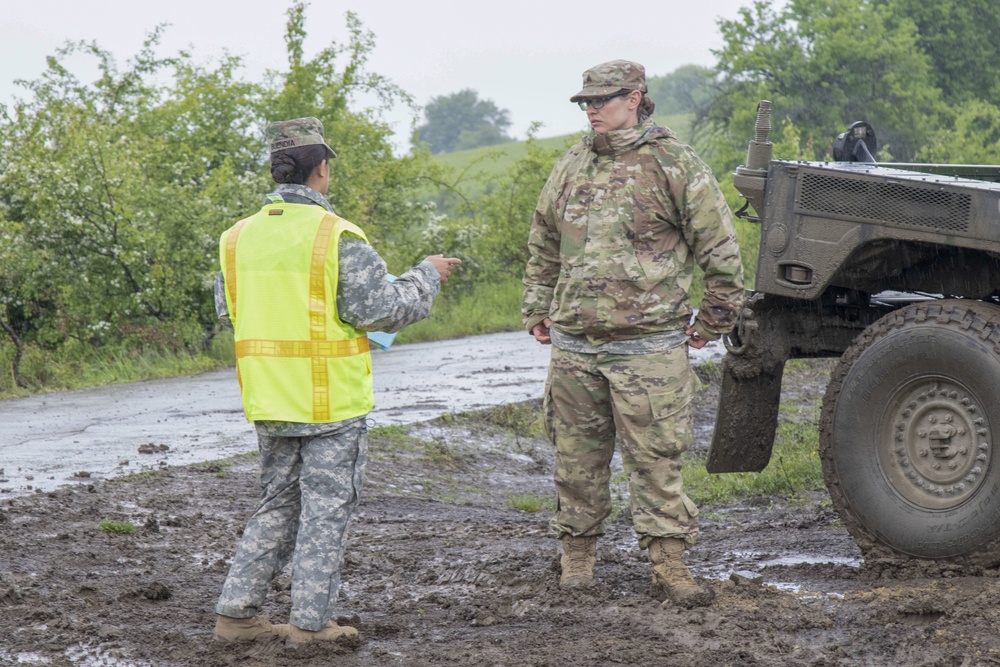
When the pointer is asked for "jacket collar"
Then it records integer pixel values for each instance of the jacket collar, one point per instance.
(301, 194)
(616, 142)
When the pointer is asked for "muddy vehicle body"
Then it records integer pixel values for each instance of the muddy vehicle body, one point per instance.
(895, 269)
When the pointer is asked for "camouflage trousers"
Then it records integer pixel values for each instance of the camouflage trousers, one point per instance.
(310, 487)
(643, 402)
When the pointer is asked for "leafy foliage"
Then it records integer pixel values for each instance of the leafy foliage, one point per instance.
(959, 38)
(461, 120)
(972, 138)
(687, 89)
(824, 63)
(136, 182)
(113, 193)
(923, 72)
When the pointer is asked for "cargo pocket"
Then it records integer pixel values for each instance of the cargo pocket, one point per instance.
(691, 508)
(361, 462)
(548, 410)
(660, 418)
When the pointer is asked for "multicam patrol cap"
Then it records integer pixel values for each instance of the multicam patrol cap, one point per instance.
(611, 77)
(286, 134)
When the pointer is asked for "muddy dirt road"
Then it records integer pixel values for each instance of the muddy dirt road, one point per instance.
(49, 440)
(443, 570)
(71, 437)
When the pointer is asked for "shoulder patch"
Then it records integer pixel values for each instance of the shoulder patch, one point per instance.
(276, 211)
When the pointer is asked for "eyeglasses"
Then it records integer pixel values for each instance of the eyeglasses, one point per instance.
(599, 102)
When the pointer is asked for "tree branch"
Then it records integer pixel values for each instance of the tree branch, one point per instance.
(18, 351)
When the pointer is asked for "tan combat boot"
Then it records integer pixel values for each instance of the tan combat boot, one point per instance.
(578, 558)
(670, 574)
(254, 628)
(330, 633)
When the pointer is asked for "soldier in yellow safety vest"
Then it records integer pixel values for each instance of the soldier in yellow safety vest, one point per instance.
(301, 286)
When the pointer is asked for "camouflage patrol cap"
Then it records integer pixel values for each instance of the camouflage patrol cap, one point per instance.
(611, 77)
(286, 134)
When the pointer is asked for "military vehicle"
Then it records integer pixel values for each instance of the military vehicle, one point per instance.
(895, 269)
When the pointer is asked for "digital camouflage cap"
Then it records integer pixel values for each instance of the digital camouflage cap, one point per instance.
(294, 133)
(611, 77)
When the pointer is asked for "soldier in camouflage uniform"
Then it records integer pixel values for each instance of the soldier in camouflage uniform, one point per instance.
(622, 221)
(311, 473)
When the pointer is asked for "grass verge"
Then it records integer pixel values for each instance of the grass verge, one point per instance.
(486, 308)
(76, 367)
(794, 470)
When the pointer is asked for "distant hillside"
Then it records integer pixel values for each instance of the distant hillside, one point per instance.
(495, 160)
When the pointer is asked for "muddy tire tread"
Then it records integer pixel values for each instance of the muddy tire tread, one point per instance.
(964, 315)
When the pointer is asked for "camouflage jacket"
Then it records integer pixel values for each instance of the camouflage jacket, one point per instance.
(618, 228)
(366, 299)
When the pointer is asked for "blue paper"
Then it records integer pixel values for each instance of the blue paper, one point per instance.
(380, 339)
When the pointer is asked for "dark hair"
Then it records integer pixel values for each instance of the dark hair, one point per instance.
(296, 165)
(646, 107)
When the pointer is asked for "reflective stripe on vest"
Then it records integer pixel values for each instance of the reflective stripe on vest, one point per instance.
(318, 348)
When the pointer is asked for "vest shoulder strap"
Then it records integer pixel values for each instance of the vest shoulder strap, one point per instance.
(348, 226)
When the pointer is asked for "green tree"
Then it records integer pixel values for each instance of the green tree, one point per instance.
(113, 194)
(960, 40)
(462, 120)
(973, 137)
(369, 185)
(687, 89)
(823, 63)
(503, 216)
(122, 222)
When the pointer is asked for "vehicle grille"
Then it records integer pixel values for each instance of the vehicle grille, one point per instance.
(883, 203)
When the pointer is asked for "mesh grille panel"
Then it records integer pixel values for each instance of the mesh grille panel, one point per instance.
(884, 203)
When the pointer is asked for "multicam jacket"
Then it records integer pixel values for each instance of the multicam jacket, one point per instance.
(615, 236)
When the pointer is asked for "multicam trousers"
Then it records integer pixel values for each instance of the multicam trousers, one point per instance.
(643, 400)
(310, 486)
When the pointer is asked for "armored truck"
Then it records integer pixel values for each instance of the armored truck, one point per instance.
(894, 269)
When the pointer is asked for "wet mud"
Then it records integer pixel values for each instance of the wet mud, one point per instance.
(443, 569)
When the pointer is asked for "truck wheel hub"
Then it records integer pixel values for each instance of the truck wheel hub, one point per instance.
(939, 444)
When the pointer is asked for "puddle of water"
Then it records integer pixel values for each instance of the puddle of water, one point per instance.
(800, 559)
(24, 659)
(751, 566)
(205, 559)
(88, 655)
(764, 560)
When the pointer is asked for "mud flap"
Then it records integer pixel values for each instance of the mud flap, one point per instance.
(747, 419)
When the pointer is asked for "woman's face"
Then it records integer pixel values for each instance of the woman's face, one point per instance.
(617, 113)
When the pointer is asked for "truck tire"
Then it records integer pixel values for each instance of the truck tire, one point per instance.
(908, 433)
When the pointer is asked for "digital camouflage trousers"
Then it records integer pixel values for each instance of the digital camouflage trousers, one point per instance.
(643, 402)
(310, 487)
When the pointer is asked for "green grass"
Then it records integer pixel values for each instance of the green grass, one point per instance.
(488, 308)
(490, 162)
(116, 527)
(528, 502)
(393, 439)
(794, 470)
(520, 419)
(78, 367)
(391, 442)
(135, 476)
(494, 161)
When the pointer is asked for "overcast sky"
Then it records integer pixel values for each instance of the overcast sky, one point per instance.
(525, 55)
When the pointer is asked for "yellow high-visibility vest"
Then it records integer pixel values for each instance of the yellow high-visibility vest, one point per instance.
(295, 359)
